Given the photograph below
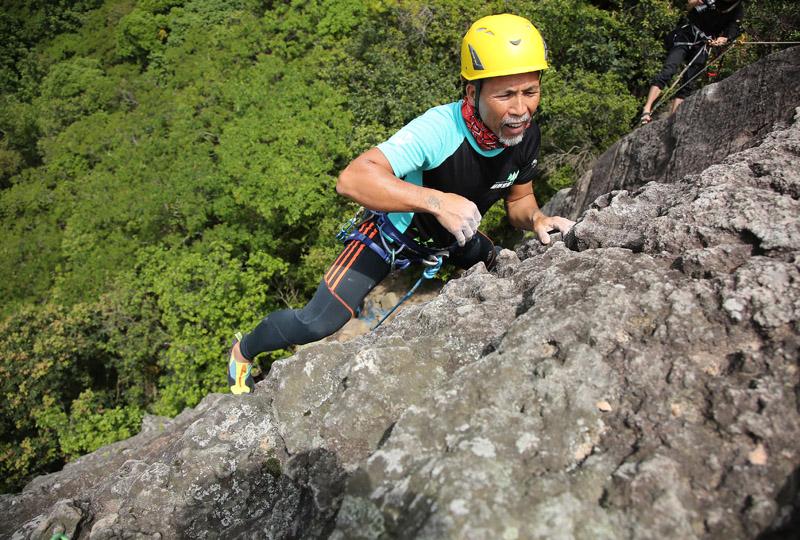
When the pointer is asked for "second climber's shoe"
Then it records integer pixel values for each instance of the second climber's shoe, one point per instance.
(240, 380)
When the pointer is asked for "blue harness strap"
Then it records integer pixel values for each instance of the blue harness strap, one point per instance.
(412, 251)
(389, 256)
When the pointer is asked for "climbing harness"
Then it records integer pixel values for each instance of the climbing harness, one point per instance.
(698, 36)
(668, 93)
(398, 258)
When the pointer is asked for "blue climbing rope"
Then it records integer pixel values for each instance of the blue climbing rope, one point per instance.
(429, 273)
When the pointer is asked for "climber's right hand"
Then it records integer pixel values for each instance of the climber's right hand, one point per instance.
(457, 214)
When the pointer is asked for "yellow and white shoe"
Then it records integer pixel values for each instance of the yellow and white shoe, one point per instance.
(240, 379)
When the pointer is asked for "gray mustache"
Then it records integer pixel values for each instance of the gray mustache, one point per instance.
(516, 119)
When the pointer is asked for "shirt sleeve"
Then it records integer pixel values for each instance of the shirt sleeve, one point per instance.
(418, 146)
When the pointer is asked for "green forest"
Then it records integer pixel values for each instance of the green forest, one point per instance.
(167, 173)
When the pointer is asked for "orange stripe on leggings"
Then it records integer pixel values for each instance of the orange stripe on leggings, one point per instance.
(346, 259)
(352, 313)
(344, 254)
(335, 284)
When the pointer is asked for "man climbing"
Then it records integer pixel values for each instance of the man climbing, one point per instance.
(428, 186)
(710, 24)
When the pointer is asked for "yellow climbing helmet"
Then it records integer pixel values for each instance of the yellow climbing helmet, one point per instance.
(500, 45)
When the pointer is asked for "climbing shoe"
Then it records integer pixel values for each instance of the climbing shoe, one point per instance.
(240, 380)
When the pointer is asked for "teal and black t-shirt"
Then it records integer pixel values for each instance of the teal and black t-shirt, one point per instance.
(437, 150)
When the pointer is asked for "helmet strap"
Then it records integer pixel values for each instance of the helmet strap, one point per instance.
(478, 83)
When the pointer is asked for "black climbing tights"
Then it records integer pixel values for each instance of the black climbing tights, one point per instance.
(352, 276)
(679, 55)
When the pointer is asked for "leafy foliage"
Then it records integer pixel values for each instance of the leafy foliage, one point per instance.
(60, 370)
(202, 296)
(167, 172)
(89, 425)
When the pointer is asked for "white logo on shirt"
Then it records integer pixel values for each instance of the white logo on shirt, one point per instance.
(507, 182)
(403, 137)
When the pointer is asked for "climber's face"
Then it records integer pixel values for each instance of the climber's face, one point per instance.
(507, 104)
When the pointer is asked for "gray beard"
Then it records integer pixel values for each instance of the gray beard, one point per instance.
(513, 120)
(513, 141)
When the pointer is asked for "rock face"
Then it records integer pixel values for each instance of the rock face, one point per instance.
(639, 379)
(722, 119)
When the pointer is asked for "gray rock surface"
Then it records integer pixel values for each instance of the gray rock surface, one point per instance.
(721, 119)
(638, 379)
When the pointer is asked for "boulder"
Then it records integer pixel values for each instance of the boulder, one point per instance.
(721, 119)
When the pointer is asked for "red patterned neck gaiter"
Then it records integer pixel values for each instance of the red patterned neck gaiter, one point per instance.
(484, 136)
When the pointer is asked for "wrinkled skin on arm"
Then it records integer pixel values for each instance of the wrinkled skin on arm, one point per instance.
(370, 181)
